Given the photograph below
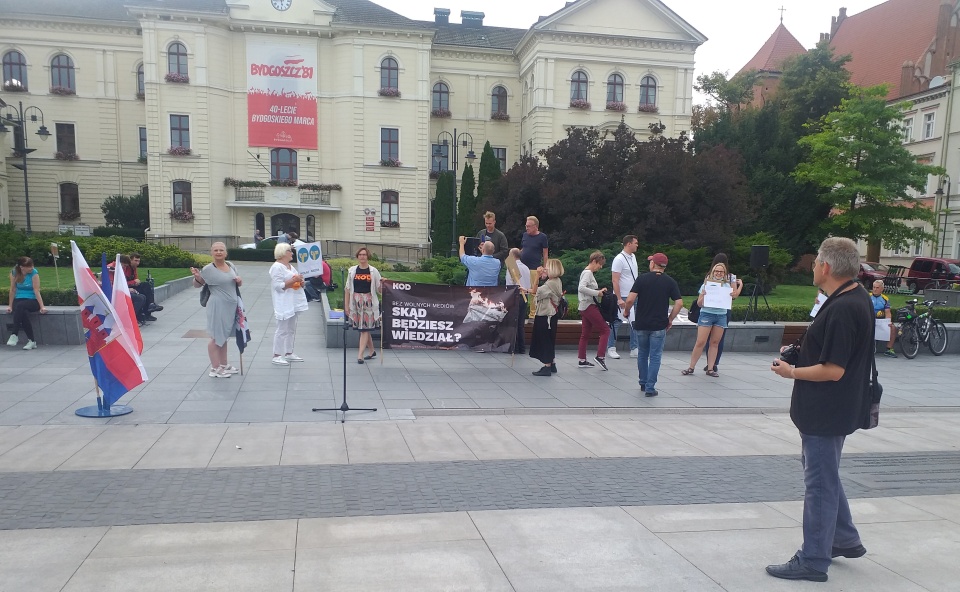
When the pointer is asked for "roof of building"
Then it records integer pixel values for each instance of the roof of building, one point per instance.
(364, 12)
(471, 36)
(780, 46)
(882, 38)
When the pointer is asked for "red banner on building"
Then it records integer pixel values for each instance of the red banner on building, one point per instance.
(281, 94)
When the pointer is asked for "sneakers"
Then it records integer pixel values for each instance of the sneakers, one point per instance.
(600, 362)
(584, 364)
(149, 318)
(849, 552)
(13, 340)
(31, 344)
(230, 369)
(890, 353)
(612, 352)
(292, 358)
(219, 373)
(279, 361)
(154, 308)
(634, 353)
(794, 570)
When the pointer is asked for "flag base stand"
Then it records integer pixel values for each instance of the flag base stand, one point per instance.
(98, 411)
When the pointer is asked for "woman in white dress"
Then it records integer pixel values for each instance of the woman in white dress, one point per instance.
(289, 299)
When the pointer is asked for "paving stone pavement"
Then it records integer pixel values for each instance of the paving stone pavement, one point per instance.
(66, 499)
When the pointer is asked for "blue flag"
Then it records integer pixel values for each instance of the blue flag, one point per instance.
(105, 277)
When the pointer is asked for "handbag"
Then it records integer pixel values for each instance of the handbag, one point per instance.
(871, 416)
(204, 295)
(693, 314)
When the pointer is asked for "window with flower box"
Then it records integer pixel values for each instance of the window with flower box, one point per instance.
(177, 59)
(389, 146)
(14, 71)
(389, 209)
(615, 89)
(441, 100)
(648, 92)
(62, 79)
(498, 103)
(578, 86)
(182, 197)
(66, 139)
(389, 75)
(69, 201)
(180, 131)
(283, 164)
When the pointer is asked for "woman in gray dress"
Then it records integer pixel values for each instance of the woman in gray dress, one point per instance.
(222, 279)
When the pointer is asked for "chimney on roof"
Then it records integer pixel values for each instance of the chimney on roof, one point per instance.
(909, 83)
(471, 19)
(824, 36)
(441, 16)
(836, 21)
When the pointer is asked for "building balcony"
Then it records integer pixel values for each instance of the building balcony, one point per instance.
(291, 198)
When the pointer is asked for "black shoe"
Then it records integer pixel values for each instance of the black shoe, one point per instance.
(793, 570)
(371, 356)
(521, 352)
(154, 308)
(601, 362)
(150, 318)
(584, 364)
(543, 371)
(553, 368)
(651, 393)
(642, 387)
(359, 361)
(849, 552)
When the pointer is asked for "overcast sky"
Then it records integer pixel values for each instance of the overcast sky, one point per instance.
(735, 28)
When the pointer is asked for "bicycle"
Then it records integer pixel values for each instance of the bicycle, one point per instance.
(915, 329)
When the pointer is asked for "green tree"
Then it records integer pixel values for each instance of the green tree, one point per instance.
(729, 94)
(859, 162)
(442, 214)
(124, 211)
(812, 85)
(466, 226)
(486, 180)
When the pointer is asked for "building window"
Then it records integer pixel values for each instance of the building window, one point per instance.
(145, 191)
(917, 248)
(441, 96)
(928, 125)
(615, 89)
(66, 139)
(61, 73)
(908, 130)
(389, 73)
(501, 154)
(182, 198)
(141, 87)
(177, 59)
(69, 199)
(283, 164)
(440, 157)
(14, 71)
(389, 144)
(578, 86)
(311, 228)
(498, 101)
(179, 131)
(648, 91)
(143, 142)
(389, 207)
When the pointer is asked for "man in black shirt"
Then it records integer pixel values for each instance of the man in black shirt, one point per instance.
(490, 233)
(829, 394)
(653, 292)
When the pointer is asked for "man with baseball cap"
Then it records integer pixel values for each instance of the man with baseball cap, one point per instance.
(652, 293)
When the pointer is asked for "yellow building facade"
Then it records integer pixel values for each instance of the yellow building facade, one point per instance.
(163, 97)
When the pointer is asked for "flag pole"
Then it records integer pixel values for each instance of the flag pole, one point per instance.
(96, 387)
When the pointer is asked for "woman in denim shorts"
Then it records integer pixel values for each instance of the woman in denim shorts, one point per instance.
(712, 322)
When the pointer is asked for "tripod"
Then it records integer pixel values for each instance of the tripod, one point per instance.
(758, 292)
(344, 407)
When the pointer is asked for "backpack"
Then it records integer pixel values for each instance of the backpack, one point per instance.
(693, 314)
(609, 309)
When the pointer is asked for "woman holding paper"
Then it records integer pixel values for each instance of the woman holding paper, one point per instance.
(289, 300)
(715, 300)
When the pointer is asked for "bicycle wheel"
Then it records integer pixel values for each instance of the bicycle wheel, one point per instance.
(909, 340)
(937, 341)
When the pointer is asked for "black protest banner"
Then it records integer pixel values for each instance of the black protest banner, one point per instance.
(424, 316)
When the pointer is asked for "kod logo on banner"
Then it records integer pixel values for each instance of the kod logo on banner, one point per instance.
(310, 260)
(405, 287)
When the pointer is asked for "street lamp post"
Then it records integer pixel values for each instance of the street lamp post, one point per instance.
(945, 206)
(17, 117)
(446, 139)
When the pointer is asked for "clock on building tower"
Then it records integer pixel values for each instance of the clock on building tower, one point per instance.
(281, 4)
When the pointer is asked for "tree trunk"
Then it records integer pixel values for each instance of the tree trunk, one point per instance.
(873, 250)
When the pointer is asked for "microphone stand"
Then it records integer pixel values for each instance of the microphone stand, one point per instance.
(344, 407)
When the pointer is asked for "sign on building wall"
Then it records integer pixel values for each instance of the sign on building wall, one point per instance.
(281, 94)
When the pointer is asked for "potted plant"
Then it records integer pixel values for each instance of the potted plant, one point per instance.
(647, 108)
(499, 116)
(390, 162)
(320, 187)
(142, 159)
(179, 151)
(177, 78)
(181, 216)
(580, 104)
(63, 91)
(389, 224)
(389, 91)
(616, 106)
(440, 112)
(14, 86)
(69, 216)
(66, 156)
(283, 182)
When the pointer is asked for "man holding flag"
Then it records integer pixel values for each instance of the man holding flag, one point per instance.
(112, 336)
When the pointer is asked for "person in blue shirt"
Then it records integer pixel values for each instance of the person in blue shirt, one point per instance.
(24, 299)
(881, 310)
(483, 270)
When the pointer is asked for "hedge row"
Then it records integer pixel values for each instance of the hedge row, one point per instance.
(50, 297)
(108, 231)
(15, 244)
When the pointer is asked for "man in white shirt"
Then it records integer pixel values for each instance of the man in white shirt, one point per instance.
(524, 283)
(624, 271)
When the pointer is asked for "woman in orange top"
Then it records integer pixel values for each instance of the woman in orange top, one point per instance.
(360, 303)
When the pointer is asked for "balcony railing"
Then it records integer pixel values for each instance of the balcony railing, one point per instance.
(283, 197)
(316, 198)
(250, 194)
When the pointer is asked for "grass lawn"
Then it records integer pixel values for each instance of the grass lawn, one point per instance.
(49, 276)
(785, 295)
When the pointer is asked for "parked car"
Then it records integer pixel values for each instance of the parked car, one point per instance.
(932, 272)
(870, 272)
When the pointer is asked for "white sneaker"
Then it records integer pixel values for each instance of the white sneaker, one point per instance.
(13, 340)
(218, 373)
(279, 361)
(612, 352)
(230, 369)
(634, 353)
(292, 358)
(30, 344)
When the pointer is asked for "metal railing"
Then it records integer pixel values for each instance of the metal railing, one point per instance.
(249, 194)
(195, 244)
(388, 252)
(317, 198)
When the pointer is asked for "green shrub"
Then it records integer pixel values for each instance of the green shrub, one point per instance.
(401, 267)
(250, 255)
(14, 244)
(687, 266)
(267, 245)
(108, 231)
(50, 297)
